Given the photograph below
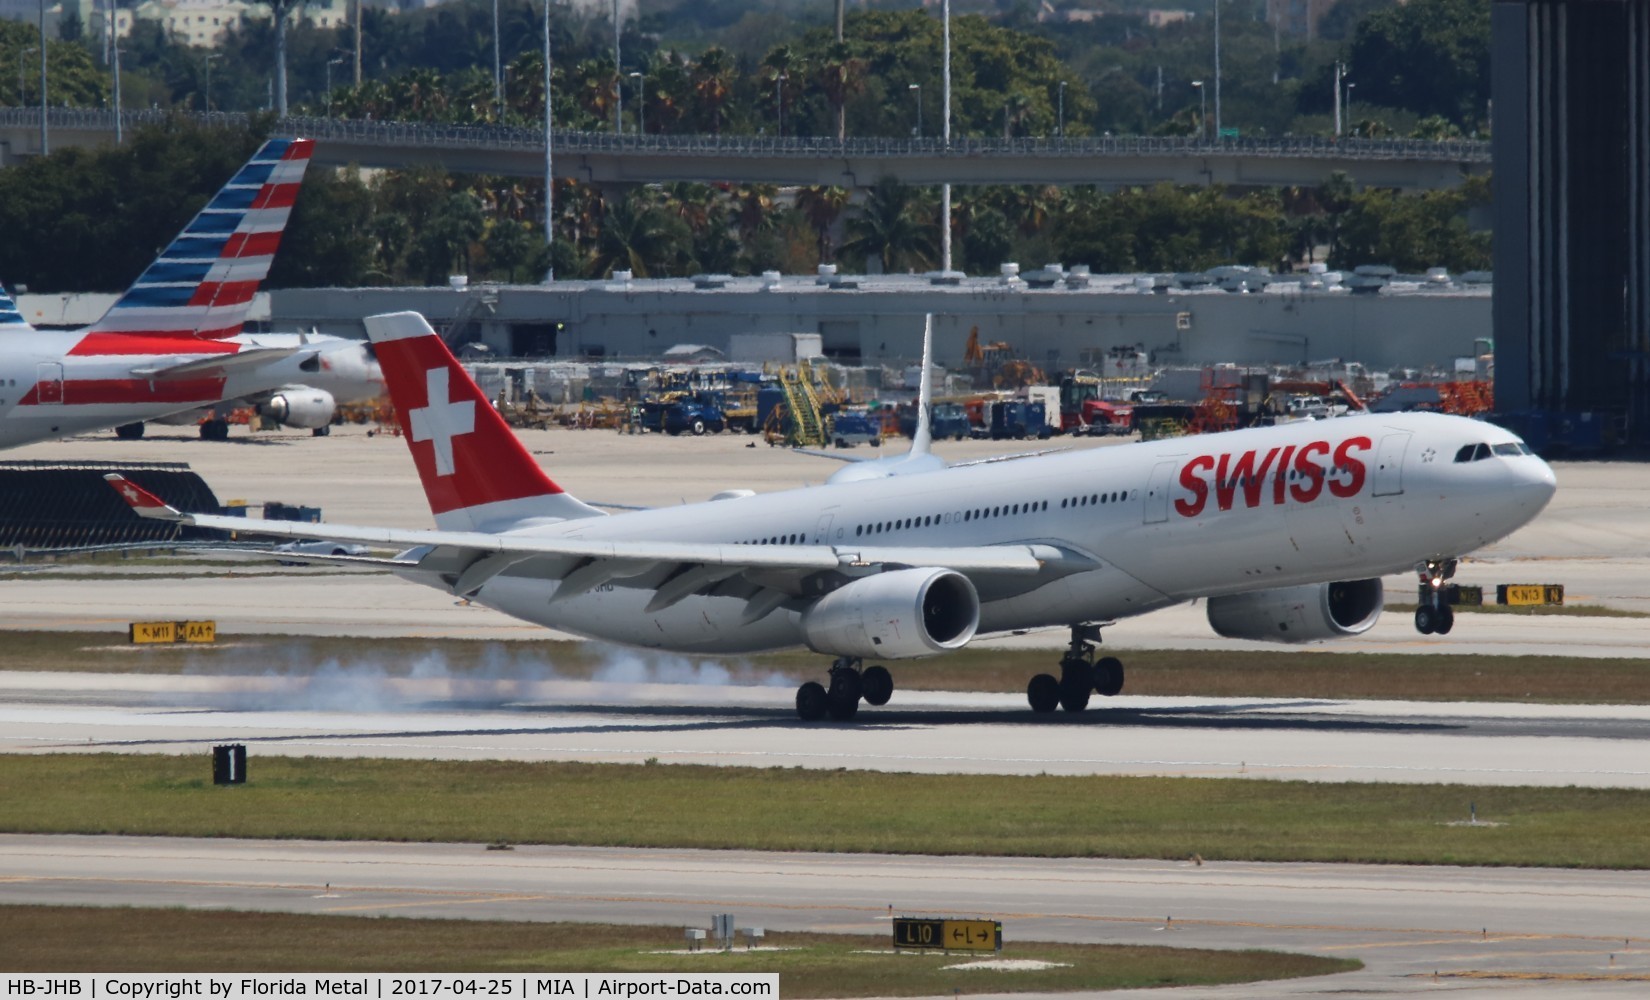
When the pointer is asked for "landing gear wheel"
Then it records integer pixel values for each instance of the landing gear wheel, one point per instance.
(215, 430)
(1108, 676)
(1043, 693)
(1426, 619)
(877, 685)
(1076, 684)
(811, 701)
(325, 430)
(698, 428)
(842, 708)
(1445, 620)
(130, 432)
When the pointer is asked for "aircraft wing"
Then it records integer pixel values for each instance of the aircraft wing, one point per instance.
(675, 570)
(218, 364)
(833, 456)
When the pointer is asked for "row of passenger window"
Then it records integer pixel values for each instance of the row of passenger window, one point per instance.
(967, 516)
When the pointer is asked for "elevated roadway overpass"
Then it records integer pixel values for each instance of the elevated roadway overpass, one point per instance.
(607, 160)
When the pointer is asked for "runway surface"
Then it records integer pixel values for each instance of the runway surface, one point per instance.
(1542, 932)
(362, 713)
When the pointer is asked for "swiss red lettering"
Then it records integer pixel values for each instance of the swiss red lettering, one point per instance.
(1281, 480)
(1245, 475)
(1310, 484)
(1194, 484)
(1354, 467)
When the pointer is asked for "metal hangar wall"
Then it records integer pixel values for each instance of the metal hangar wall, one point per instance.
(1571, 139)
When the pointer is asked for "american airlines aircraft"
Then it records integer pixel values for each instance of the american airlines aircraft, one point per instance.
(173, 343)
(1284, 531)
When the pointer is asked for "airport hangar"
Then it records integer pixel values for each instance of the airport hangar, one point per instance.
(1057, 319)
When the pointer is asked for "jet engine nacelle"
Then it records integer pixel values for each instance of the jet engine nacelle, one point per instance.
(895, 615)
(1299, 614)
(301, 407)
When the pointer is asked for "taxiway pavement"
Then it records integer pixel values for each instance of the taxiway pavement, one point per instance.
(1547, 933)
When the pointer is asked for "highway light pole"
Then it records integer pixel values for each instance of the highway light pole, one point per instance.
(498, 71)
(779, 103)
(549, 186)
(206, 90)
(945, 132)
(45, 140)
(1217, 69)
(618, 71)
(1060, 129)
(331, 63)
(1349, 86)
(641, 104)
(1202, 109)
(916, 89)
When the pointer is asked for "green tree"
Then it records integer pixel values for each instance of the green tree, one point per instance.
(638, 236)
(1431, 57)
(895, 229)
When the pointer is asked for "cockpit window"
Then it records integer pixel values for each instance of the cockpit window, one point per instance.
(1479, 452)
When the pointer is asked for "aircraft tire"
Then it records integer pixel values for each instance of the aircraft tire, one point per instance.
(1425, 619)
(1108, 676)
(325, 430)
(698, 428)
(1043, 693)
(877, 684)
(811, 702)
(130, 432)
(215, 430)
(1445, 622)
(1074, 693)
(841, 708)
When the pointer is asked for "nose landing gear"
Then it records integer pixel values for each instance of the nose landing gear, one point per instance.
(1080, 675)
(1433, 615)
(848, 685)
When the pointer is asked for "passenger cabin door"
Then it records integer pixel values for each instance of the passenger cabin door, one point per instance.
(48, 381)
(1389, 465)
(1157, 492)
(822, 530)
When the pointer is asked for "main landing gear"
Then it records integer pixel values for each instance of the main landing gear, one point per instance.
(1433, 615)
(849, 684)
(1080, 675)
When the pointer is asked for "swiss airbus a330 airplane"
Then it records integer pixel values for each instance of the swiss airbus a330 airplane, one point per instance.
(1285, 531)
(173, 343)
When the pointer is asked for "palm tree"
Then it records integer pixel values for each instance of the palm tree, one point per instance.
(638, 236)
(822, 206)
(894, 227)
(712, 85)
(841, 75)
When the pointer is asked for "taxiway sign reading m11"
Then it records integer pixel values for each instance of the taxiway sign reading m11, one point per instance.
(947, 935)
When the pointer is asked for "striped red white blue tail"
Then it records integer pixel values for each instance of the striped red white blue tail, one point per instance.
(202, 285)
(11, 318)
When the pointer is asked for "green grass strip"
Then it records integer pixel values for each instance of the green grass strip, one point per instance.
(90, 939)
(781, 809)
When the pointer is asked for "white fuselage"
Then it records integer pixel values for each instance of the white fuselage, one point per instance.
(1138, 527)
(51, 388)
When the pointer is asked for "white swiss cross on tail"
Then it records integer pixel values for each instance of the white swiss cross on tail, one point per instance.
(449, 423)
(441, 419)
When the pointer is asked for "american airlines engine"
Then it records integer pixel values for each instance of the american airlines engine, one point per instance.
(1285, 532)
